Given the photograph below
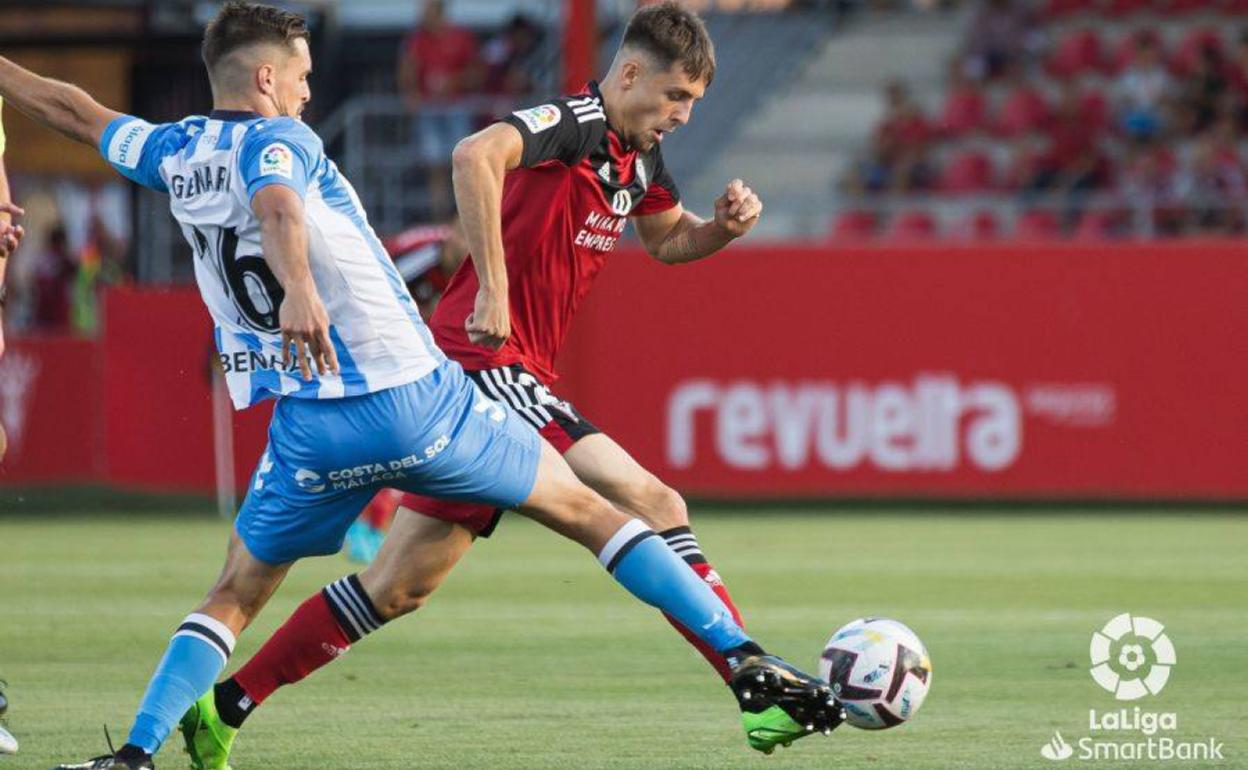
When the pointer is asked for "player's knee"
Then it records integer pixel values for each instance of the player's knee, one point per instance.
(668, 508)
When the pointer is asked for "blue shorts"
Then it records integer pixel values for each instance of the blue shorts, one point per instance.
(438, 436)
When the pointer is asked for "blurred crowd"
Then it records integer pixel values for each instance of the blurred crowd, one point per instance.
(447, 74)
(76, 239)
(1088, 112)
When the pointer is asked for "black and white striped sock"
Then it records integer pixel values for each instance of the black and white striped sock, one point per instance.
(685, 544)
(352, 608)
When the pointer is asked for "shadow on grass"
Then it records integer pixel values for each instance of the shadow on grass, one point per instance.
(90, 500)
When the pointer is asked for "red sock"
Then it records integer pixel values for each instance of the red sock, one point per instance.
(708, 573)
(319, 631)
(380, 510)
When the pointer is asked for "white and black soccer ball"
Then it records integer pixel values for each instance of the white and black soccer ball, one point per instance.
(879, 670)
(8, 744)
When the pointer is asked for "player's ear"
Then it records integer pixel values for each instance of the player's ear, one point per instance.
(266, 79)
(630, 72)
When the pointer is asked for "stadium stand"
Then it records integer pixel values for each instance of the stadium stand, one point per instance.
(1087, 119)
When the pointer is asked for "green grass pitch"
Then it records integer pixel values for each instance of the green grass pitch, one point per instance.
(530, 657)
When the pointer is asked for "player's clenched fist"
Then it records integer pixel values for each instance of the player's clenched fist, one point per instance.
(305, 324)
(10, 234)
(738, 209)
(490, 322)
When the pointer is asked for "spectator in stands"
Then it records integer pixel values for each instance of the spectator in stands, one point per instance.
(1001, 31)
(1024, 108)
(965, 109)
(1213, 184)
(1074, 164)
(54, 281)
(898, 159)
(1203, 92)
(1237, 76)
(438, 67)
(1144, 90)
(510, 69)
(1026, 170)
(1149, 184)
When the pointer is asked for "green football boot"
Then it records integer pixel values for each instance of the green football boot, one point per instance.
(780, 704)
(208, 739)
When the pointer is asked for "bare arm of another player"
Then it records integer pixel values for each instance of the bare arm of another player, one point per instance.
(10, 237)
(60, 106)
(284, 241)
(478, 166)
(675, 236)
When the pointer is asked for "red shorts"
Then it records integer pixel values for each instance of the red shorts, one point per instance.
(557, 421)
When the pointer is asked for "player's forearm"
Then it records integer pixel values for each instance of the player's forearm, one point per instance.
(6, 218)
(478, 180)
(692, 239)
(284, 241)
(60, 106)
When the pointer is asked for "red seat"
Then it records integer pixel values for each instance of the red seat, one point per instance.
(1037, 225)
(853, 226)
(1181, 7)
(912, 225)
(968, 172)
(1058, 9)
(964, 111)
(981, 225)
(1234, 7)
(1126, 7)
(1079, 52)
(1094, 108)
(1024, 110)
(1097, 225)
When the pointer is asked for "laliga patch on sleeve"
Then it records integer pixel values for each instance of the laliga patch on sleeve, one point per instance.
(277, 159)
(126, 147)
(539, 119)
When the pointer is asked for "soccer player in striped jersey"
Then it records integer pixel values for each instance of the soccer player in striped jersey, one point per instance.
(309, 310)
(543, 197)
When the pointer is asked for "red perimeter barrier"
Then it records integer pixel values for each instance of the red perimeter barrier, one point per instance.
(1050, 371)
(1058, 371)
(51, 411)
(133, 408)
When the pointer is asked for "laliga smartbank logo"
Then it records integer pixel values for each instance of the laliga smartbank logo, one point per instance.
(1132, 658)
(1140, 642)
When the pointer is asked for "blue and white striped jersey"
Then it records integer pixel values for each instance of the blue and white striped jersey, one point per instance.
(211, 167)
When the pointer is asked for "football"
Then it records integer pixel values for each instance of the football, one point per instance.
(880, 671)
(8, 744)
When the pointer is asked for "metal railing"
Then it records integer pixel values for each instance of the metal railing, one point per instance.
(374, 140)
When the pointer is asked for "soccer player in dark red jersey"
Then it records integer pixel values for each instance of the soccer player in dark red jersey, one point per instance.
(543, 197)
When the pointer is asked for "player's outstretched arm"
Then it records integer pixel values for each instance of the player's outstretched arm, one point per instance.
(676, 236)
(284, 241)
(478, 166)
(60, 106)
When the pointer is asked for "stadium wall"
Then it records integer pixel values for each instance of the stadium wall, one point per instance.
(1047, 372)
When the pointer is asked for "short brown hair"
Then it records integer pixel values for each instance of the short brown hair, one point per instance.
(671, 33)
(240, 24)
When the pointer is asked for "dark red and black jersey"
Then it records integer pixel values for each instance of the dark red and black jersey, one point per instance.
(563, 211)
